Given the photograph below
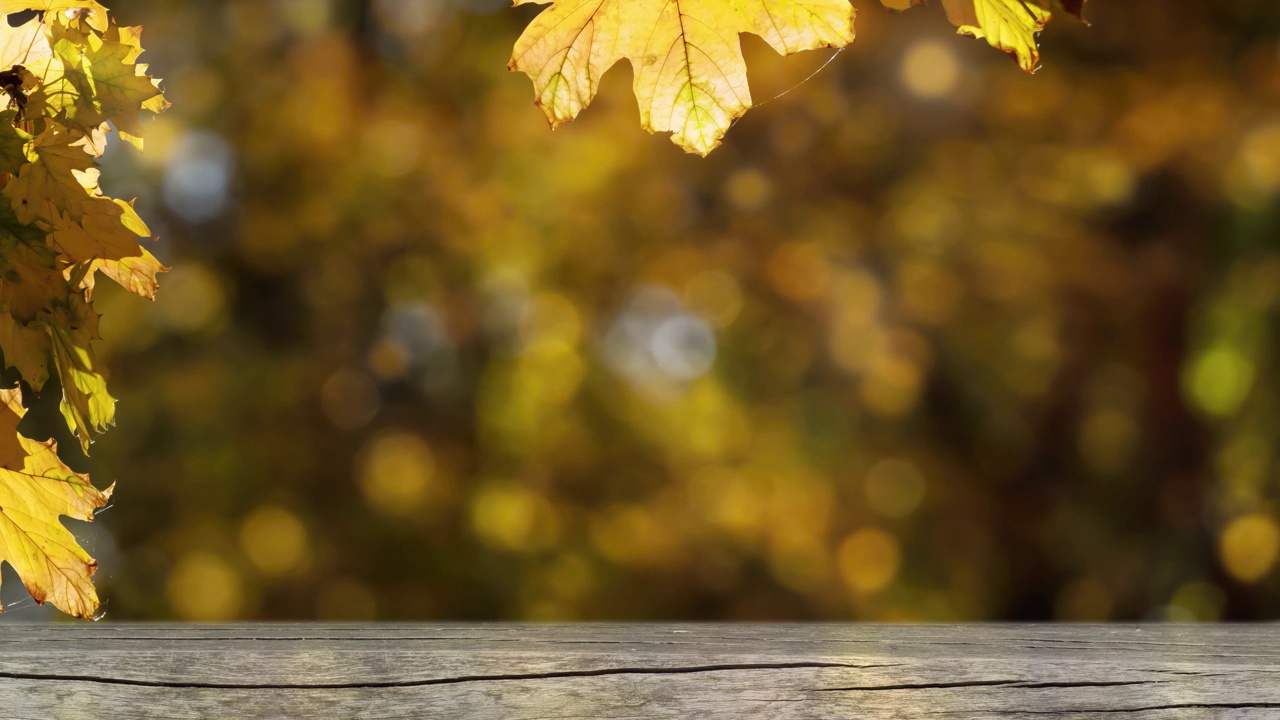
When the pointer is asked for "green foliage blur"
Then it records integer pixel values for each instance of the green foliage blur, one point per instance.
(926, 339)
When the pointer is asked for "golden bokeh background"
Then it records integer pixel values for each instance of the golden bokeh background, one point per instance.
(926, 339)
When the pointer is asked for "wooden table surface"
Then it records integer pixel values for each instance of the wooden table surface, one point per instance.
(70, 671)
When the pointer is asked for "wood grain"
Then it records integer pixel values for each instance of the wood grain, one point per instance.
(72, 671)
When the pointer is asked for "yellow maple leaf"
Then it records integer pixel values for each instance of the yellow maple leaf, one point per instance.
(106, 239)
(124, 90)
(87, 406)
(26, 347)
(52, 182)
(31, 283)
(36, 489)
(23, 45)
(1007, 25)
(690, 75)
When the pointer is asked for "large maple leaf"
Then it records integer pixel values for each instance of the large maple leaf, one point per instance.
(690, 75)
(36, 489)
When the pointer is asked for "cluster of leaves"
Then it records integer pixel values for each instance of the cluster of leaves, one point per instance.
(690, 75)
(74, 77)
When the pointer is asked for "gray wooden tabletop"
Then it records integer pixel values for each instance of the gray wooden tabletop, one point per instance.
(70, 671)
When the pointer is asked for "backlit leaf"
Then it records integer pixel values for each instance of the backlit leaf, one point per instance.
(36, 489)
(1008, 25)
(86, 404)
(690, 75)
(49, 185)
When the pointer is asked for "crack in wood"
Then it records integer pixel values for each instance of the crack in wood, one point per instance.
(551, 675)
(1013, 684)
(1189, 706)
(921, 686)
(1109, 711)
(1087, 684)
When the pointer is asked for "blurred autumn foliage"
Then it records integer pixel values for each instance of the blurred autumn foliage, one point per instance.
(927, 338)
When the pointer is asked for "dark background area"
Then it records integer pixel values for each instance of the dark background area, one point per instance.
(927, 339)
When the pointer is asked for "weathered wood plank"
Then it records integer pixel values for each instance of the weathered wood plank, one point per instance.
(639, 671)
